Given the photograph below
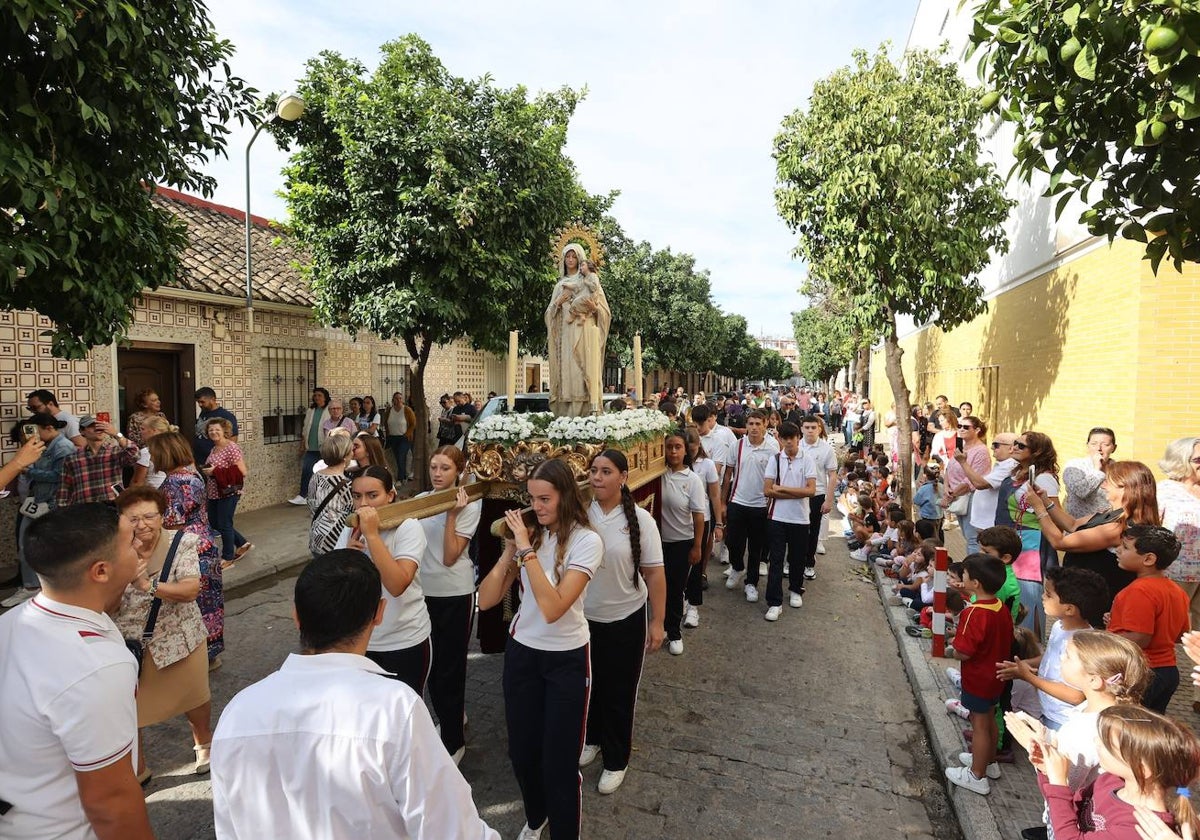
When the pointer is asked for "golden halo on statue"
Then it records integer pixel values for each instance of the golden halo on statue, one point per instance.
(582, 235)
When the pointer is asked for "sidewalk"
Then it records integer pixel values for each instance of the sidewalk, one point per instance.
(1015, 802)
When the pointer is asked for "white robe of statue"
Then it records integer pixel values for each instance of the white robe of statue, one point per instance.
(577, 320)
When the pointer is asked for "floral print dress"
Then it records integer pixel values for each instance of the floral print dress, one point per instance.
(187, 508)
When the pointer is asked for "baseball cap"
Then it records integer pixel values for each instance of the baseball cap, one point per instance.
(86, 420)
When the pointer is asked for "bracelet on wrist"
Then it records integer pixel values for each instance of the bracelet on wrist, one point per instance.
(154, 588)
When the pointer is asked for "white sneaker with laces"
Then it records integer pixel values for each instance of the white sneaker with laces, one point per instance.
(821, 547)
(692, 617)
(675, 647)
(19, 597)
(796, 601)
(993, 769)
(762, 570)
(810, 573)
(955, 677)
(735, 580)
(751, 593)
(297, 500)
(773, 613)
(528, 833)
(588, 754)
(859, 554)
(964, 778)
(610, 780)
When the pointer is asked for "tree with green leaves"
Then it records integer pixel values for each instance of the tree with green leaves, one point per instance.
(881, 178)
(100, 100)
(773, 367)
(825, 341)
(428, 202)
(1104, 98)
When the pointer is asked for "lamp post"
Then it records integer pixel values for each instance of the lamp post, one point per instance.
(289, 108)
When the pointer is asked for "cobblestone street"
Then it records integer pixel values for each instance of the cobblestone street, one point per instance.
(802, 728)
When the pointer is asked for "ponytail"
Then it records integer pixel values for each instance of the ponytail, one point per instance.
(635, 529)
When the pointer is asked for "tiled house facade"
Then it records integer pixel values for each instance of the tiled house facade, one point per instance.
(195, 333)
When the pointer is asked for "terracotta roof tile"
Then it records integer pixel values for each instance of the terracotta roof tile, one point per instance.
(215, 260)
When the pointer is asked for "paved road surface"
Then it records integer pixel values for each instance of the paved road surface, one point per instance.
(802, 728)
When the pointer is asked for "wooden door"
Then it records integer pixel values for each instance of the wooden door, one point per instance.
(138, 370)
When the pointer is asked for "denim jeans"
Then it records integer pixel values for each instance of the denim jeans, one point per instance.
(969, 532)
(220, 517)
(400, 446)
(307, 463)
(1031, 598)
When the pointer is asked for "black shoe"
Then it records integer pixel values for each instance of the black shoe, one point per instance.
(1036, 833)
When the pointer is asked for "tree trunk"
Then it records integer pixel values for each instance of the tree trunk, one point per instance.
(420, 407)
(862, 373)
(900, 395)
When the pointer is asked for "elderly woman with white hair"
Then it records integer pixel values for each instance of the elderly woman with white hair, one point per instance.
(1179, 505)
(329, 498)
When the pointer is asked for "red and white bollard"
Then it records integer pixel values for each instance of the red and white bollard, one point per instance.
(940, 569)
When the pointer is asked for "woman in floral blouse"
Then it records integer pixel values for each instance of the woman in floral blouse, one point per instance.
(187, 508)
(225, 470)
(1179, 503)
(174, 675)
(149, 405)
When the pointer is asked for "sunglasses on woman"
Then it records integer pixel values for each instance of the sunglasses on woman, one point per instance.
(965, 427)
(1018, 445)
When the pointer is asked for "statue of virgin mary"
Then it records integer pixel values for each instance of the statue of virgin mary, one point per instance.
(577, 320)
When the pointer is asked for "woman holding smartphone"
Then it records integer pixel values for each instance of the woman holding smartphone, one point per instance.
(616, 609)
(400, 644)
(448, 581)
(546, 662)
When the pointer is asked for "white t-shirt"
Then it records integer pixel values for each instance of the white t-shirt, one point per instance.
(154, 477)
(717, 444)
(1078, 739)
(72, 427)
(824, 458)
(1053, 709)
(616, 590)
(796, 473)
(683, 493)
(749, 463)
(983, 502)
(437, 579)
(707, 470)
(348, 755)
(67, 689)
(405, 619)
(585, 552)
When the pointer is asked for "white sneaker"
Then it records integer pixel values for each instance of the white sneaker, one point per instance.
(773, 613)
(735, 580)
(722, 552)
(993, 769)
(528, 833)
(787, 570)
(810, 573)
(821, 547)
(19, 597)
(963, 777)
(796, 601)
(588, 754)
(955, 707)
(955, 677)
(457, 755)
(692, 617)
(610, 780)
(728, 571)
(859, 554)
(762, 570)
(751, 593)
(675, 647)
(297, 500)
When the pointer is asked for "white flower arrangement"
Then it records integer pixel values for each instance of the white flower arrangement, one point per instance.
(617, 428)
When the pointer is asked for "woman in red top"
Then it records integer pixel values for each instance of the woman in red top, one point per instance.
(225, 471)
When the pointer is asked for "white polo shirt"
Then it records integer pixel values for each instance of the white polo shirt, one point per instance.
(405, 619)
(790, 472)
(749, 463)
(437, 579)
(706, 468)
(68, 689)
(983, 502)
(683, 493)
(347, 752)
(718, 442)
(825, 458)
(616, 590)
(585, 552)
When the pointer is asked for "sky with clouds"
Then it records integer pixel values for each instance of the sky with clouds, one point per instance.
(684, 100)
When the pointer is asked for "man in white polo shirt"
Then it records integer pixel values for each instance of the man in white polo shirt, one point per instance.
(745, 504)
(68, 685)
(825, 458)
(790, 481)
(327, 746)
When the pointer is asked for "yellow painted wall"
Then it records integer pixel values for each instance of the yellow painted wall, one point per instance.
(1100, 341)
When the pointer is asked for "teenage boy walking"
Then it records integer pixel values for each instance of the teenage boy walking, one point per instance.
(745, 504)
(789, 483)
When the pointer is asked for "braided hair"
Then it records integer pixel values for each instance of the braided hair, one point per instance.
(629, 508)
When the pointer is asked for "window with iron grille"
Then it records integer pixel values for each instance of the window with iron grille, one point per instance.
(289, 376)
(393, 376)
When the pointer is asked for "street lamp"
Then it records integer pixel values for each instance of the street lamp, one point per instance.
(289, 107)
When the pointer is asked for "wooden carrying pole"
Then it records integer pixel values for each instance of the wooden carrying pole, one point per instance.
(392, 515)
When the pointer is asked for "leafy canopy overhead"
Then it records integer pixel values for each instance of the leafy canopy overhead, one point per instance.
(428, 201)
(98, 98)
(1104, 100)
(881, 179)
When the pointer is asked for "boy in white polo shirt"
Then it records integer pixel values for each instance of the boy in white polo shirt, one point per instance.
(68, 685)
(745, 504)
(789, 482)
(821, 503)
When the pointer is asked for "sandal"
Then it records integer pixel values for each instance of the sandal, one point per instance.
(243, 551)
(225, 564)
(203, 752)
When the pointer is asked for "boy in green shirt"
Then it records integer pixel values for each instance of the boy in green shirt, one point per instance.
(1003, 543)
